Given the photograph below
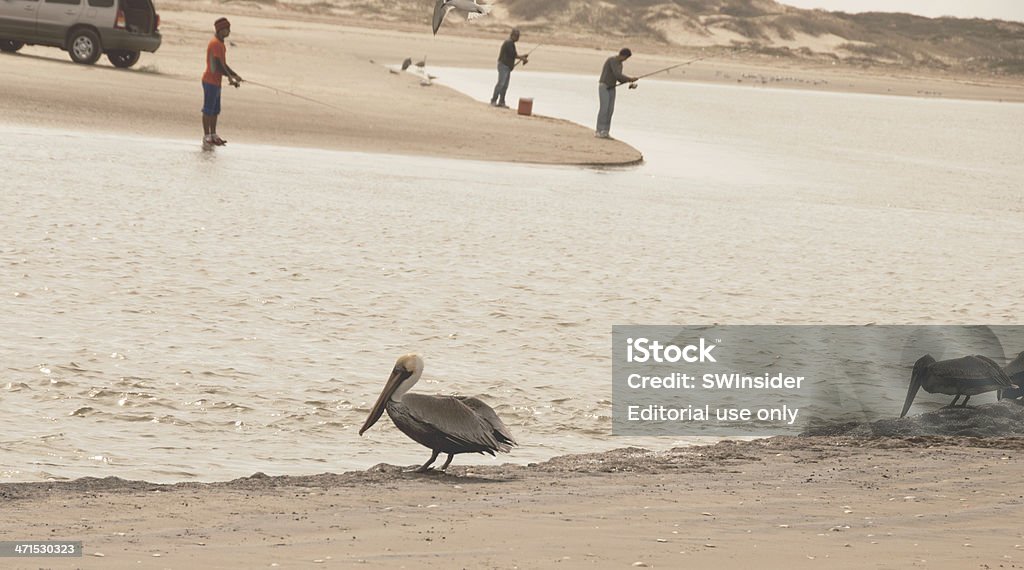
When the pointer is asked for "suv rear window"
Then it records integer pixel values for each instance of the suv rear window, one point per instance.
(101, 3)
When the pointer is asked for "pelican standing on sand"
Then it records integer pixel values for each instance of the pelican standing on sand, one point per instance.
(445, 424)
(967, 376)
(470, 7)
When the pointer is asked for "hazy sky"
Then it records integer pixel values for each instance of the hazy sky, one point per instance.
(1001, 9)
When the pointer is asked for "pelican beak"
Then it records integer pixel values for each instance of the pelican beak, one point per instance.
(915, 385)
(398, 375)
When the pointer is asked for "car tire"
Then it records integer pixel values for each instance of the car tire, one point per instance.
(11, 46)
(123, 58)
(84, 46)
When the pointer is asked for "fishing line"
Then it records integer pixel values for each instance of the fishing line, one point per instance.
(664, 69)
(303, 97)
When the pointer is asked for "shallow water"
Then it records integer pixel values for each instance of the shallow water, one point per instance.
(172, 314)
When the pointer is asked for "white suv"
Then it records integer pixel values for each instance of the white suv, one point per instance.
(86, 29)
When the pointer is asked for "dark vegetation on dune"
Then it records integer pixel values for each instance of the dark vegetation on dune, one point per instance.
(761, 26)
(871, 38)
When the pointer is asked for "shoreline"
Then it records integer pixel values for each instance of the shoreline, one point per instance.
(378, 111)
(470, 45)
(373, 110)
(800, 501)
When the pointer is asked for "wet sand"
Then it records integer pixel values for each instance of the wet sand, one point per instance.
(929, 502)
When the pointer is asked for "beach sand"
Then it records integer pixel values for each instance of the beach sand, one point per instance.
(787, 502)
(360, 105)
(928, 502)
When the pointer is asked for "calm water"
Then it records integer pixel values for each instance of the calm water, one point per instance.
(171, 314)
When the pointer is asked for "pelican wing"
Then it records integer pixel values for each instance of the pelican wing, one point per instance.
(1015, 371)
(1016, 367)
(501, 432)
(453, 420)
(972, 368)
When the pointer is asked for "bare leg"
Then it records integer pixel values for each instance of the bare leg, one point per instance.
(449, 462)
(207, 128)
(953, 403)
(426, 466)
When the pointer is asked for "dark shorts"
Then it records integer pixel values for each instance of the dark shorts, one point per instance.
(211, 99)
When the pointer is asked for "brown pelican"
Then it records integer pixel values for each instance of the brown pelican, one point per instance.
(1015, 370)
(448, 424)
(965, 376)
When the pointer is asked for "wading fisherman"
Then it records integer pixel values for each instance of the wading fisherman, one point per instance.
(611, 75)
(216, 69)
(506, 62)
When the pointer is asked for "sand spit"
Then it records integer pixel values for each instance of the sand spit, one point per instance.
(803, 502)
(365, 106)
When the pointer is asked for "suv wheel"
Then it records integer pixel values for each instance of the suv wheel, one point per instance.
(123, 58)
(11, 46)
(84, 46)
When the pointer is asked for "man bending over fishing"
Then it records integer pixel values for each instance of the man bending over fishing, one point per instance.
(216, 69)
(611, 76)
(506, 62)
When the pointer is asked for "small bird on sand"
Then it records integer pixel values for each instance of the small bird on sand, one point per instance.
(406, 63)
(470, 7)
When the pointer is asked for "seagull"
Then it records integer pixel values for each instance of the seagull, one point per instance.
(470, 7)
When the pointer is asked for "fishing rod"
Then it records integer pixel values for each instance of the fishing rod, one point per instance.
(527, 55)
(664, 69)
(303, 97)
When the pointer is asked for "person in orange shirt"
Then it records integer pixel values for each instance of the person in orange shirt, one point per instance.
(216, 69)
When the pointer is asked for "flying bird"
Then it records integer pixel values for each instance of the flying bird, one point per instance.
(470, 7)
(967, 376)
(445, 424)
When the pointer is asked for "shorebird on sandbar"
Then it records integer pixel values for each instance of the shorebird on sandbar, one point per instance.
(470, 7)
(967, 376)
(445, 424)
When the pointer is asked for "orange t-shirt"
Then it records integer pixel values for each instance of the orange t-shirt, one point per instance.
(216, 49)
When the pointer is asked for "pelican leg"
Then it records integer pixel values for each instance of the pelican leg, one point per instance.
(448, 462)
(964, 403)
(953, 403)
(426, 466)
